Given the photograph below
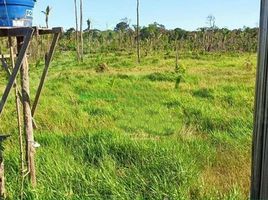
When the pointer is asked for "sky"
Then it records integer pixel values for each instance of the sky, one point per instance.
(186, 14)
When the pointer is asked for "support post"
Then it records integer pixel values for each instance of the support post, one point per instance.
(18, 99)
(27, 115)
(2, 168)
(259, 182)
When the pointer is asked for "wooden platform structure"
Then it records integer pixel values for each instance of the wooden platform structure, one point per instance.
(20, 66)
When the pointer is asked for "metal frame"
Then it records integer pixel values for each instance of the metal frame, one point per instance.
(259, 181)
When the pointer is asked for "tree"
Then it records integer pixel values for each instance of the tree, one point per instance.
(138, 30)
(88, 32)
(88, 25)
(211, 20)
(121, 26)
(47, 13)
(68, 33)
(153, 33)
(179, 34)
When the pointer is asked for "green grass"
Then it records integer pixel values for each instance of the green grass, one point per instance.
(128, 133)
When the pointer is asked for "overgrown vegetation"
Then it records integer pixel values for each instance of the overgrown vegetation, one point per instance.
(155, 37)
(129, 133)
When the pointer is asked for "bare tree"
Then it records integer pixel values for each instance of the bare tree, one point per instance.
(138, 31)
(211, 20)
(47, 13)
(81, 31)
(88, 24)
(88, 32)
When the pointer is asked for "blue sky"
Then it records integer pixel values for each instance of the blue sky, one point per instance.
(187, 14)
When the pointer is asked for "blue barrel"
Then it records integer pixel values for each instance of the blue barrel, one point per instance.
(17, 13)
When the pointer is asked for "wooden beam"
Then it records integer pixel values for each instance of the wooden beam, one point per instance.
(48, 59)
(259, 182)
(22, 31)
(43, 31)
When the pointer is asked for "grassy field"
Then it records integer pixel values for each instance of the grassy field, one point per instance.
(129, 133)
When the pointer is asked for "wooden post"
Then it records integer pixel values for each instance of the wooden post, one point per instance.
(2, 168)
(2, 176)
(259, 182)
(27, 115)
(20, 134)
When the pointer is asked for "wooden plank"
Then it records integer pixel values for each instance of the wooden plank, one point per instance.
(49, 31)
(48, 59)
(14, 31)
(18, 64)
(21, 31)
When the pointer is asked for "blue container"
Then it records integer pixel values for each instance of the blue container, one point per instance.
(16, 13)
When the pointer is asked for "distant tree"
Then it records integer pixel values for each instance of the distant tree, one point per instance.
(122, 26)
(153, 30)
(208, 36)
(88, 32)
(153, 34)
(69, 32)
(180, 33)
(88, 25)
(211, 20)
(47, 14)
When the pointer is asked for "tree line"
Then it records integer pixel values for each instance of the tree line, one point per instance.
(155, 37)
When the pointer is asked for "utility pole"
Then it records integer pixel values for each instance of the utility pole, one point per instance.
(259, 181)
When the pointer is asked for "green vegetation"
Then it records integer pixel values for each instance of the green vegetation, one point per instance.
(133, 132)
(155, 37)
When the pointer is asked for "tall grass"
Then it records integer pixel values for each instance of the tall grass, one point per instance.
(128, 133)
